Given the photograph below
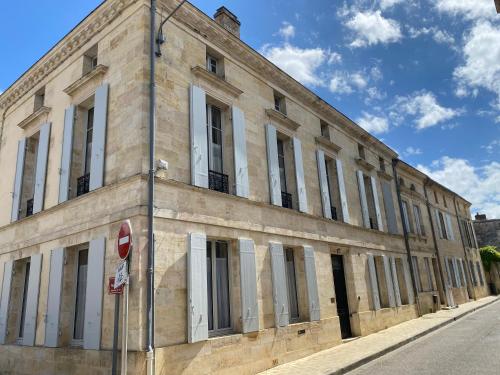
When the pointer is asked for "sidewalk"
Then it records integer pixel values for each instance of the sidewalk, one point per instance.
(348, 356)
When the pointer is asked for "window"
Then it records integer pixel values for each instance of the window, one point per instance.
(442, 225)
(212, 64)
(219, 312)
(331, 178)
(416, 271)
(381, 164)
(286, 197)
(406, 218)
(400, 272)
(23, 303)
(436, 197)
(451, 275)
(480, 273)
(473, 273)
(80, 294)
(325, 130)
(39, 99)
(291, 281)
(418, 220)
(412, 187)
(279, 103)
(82, 185)
(90, 60)
(361, 151)
(214, 129)
(430, 284)
(444, 201)
(370, 199)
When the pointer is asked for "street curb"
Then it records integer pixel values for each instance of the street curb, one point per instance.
(400, 344)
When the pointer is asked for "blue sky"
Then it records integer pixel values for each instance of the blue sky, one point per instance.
(423, 76)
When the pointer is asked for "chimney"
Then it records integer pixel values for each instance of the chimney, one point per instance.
(480, 216)
(228, 21)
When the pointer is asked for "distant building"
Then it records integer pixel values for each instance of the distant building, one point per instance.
(487, 231)
(497, 4)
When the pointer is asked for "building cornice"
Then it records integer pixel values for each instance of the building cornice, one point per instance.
(96, 21)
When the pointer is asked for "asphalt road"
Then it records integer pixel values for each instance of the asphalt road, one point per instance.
(468, 346)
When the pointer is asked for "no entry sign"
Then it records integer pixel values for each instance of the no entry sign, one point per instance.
(124, 239)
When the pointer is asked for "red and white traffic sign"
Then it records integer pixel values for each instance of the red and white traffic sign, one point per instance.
(112, 289)
(124, 239)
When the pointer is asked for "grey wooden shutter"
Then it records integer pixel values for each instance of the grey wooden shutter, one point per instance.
(389, 281)
(362, 199)
(342, 192)
(18, 181)
(299, 175)
(32, 300)
(373, 282)
(377, 204)
(457, 274)
(280, 294)
(474, 235)
(449, 227)
(94, 294)
(323, 184)
(41, 167)
(197, 288)
(409, 284)
(54, 297)
(248, 279)
(448, 271)
(240, 153)
(395, 281)
(99, 137)
(311, 283)
(5, 299)
(273, 165)
(67, 152)
(390, 212)
(464, 276)
(438, 226)
(198, 129)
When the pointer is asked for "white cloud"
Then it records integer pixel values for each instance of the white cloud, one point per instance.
(481, 68)
(443, 37)
(348, 82)
(470, 9)
(373, 124)
(479, 185)
(287, 31)
(439, 36)
(335, 58)
(423, 106)
(372, 28)
(412, 151)
(386, 4)
(492, 146)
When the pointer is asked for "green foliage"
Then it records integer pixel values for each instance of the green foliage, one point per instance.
(489, 254)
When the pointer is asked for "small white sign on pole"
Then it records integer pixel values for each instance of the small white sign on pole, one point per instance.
(121, 275)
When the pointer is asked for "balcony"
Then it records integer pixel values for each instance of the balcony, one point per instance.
(82, 184)
(218, 182)
(29, 207)
(286, 200)
(334, 212)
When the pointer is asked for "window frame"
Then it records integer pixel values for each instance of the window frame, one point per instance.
(288, 250)
(427, 264)
(78, 343)
(209, 59)
(24, 296)
(86, 168)
(416, 272)
(210, 127)
(417, 213)
(406, 217)
(442, 224)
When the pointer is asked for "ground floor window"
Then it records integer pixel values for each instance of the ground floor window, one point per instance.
(291, 280)
(23, 304)
(81, 288)
(416, 271)
(451, 275)
(428, 272)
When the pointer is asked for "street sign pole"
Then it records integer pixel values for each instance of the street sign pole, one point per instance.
(115, 334)
(125, 329)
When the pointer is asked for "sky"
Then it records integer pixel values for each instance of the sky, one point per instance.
(421, 75)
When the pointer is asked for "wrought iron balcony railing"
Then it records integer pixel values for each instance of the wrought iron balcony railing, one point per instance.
(29, 207)
(82, 184)
(286, 199)
(218, 181)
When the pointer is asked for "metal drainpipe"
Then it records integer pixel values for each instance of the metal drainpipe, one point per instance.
(150, 367)
(469, 280)
(405, 233)
(436, 248)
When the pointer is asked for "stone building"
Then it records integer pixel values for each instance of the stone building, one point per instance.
(278, 223)
(487, 231)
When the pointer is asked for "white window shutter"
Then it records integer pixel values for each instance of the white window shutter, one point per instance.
(323, 184)
(248, 279)
(240, 153)
(449, 227)
(41, 167)
(464, 276)
(54, 297)
(362, 199)
(373, 282)
(5, 299)
(280, 294)
(395, 281)
(198, 129)
(448, 271)
(389, 281)
(299, 174)
(18, 181)
(32, 300)
(409, 284)
(312, 284)
(473, 235)
(390, 212)
(457, 274)
(94, 294)
(342, 191)
(197, 288)
(99, 137)
(377, 204)
(67, 151)
(273, 165)
(438, 226)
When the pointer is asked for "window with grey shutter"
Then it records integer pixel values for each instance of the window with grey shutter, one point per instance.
(5, 299)
(312, 284)
(448, 271)
(18, 180)
(342, 192)
(449, 227)
(409, 284)
(456, 272)
(373, 282)
(390, 212)
(41, 167)
(395, 282)
(198, 136)
(66, 154)
(32, 300)
(464, 276)
(248, 279)
(94, 294)
(362, 199)
(299, 175)
(197, 288)
(240, 153)
(439, 228)
(389, 281)
(377, 204)
(273, 165)
(280, 291)
(99, 137)
(323, 184)
(54, 297)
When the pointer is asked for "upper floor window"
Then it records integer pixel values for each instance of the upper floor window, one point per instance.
(401, 181)
(381, 163)
(286, 196)
(39, 99)
(406, 218)
(444, 201)
(436, 197)
(418, 220)
(361, 151)
(325, 130)
(215, 62)
(90, 60)
(217, 180)
(212, 64)
(412, 187)
(442, 225)
(279, 102)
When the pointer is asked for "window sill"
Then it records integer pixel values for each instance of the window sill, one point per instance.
(282, 119)
(412, 193)
(34, 117)
(384, 175)
(215, 80)
(364, 164)
(328, 144)
(94, 74)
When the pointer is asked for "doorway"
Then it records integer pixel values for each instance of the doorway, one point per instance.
(341, 295)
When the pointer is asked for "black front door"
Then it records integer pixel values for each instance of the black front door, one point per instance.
(341, 296)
